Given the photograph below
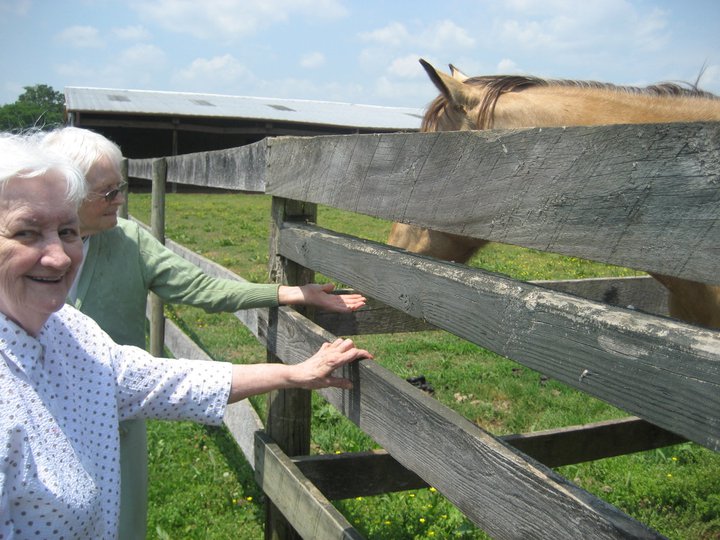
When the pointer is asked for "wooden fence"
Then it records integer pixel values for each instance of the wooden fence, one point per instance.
(646, 197)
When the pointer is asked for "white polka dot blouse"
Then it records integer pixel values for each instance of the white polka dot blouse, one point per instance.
(61, 398)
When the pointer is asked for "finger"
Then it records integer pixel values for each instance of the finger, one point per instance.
(338, 382)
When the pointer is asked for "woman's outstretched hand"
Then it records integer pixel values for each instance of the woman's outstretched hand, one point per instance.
(320, 296)
(315, 372)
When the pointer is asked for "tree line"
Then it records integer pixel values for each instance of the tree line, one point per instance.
(38, 107)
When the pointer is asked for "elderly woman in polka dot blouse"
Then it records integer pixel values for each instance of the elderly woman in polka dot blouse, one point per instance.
(65, 385)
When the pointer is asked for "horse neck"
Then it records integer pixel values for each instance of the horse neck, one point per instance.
(555, 107)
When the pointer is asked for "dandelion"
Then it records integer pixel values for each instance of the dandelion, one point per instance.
(422, 520)
(669, 475)
(433, 490)
(674, 458)
(358, 498)
(411, 495)
(387, 522)
(249, 498)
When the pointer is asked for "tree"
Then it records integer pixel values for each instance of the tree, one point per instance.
(38, 107)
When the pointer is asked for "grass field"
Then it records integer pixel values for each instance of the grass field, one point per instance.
(201, 488)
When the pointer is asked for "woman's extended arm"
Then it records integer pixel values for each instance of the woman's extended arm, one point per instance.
(320, 296)
(315, 372)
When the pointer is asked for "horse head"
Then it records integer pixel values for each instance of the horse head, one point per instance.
(467, 103)
(452, 109)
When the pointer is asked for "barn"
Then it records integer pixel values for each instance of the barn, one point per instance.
(153, 123)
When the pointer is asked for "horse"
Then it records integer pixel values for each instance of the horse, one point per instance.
(518, 101)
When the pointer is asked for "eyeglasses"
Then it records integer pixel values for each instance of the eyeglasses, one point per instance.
(110, 195)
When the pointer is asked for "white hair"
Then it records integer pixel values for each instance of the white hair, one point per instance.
(22, 157)
(82, 147)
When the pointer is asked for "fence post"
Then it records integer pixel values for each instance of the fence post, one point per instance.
(288, 411)
(157, 225)
(123, 212)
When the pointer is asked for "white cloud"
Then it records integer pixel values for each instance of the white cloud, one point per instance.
(507, 66)
(597, 26)
(233, 19)
(406, 67)
(710, 77)
(436, 36)
(141, 57)
(132, 33)
(401, 93)
(136, 67)
(224, 72)
(81, 37)
(312, 60)
(394, 34)
(15, 7)
(650, 32)
(446, 34)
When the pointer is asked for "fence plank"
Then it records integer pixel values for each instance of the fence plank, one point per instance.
(157, 226)
(642, 196)
(363, 474)
(664, 371)
(492, 484)
(240, 418)
(239, 169)
(311, 514)
(643, 293)
(357, 474)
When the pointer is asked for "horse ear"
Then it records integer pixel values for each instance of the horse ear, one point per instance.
(454, 91)
(457, 74)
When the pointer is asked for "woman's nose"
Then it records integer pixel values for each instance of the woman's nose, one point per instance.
(118, 199)
(55, 256)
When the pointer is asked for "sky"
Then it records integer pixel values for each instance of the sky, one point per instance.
(352, 51)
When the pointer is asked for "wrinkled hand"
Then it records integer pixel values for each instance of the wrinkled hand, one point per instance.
(319, 296)
(316, 371)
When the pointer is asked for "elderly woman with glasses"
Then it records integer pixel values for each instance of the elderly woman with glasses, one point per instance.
(122, 263)
(65, 384)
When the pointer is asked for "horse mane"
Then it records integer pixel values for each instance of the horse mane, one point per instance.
(496, 85)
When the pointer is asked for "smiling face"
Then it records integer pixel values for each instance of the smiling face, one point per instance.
(40, 248)
(97, 214)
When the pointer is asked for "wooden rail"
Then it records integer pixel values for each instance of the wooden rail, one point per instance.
(638, 196)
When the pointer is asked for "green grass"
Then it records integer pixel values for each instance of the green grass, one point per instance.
(201, 488)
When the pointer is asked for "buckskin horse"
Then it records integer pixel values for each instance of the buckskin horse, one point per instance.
(504, 102)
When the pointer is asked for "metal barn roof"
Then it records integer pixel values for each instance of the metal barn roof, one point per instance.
(111, 100)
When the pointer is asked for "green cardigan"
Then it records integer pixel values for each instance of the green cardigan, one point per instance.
(121, 266)
(125, 262)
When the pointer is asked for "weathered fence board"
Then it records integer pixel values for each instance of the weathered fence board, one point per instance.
(556, 447)
(494, 485)
(642, 196)
(661, 370)
(363, 474)
(642, 293)
(240, 418)
(220, 169)
(311, 514)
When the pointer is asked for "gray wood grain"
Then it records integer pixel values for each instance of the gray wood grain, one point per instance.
(642, 196)
(656, 368)
(500, 490)
(364, 474)
(311, 514)
(239, 169)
